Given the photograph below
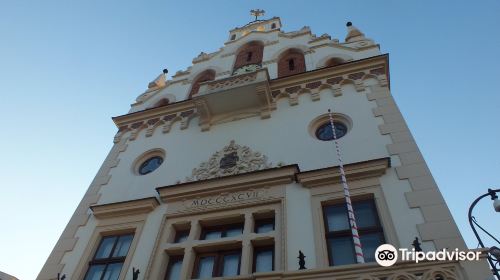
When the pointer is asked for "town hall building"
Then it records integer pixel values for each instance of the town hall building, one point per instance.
(229, 170)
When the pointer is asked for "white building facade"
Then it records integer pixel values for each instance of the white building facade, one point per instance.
(228, 170)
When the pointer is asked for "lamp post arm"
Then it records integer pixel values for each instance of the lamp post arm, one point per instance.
(471, 222)
(485, 231)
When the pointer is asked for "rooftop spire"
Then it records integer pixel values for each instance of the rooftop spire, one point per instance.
(353, 33)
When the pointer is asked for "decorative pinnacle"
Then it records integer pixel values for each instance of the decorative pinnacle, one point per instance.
(257, 13)
(348, 24)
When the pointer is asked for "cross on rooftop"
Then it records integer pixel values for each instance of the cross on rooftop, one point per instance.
(257, 13)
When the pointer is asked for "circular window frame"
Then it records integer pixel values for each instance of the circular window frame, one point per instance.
(146, 156)
(325, 118)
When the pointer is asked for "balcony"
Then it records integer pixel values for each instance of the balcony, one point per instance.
(233, 98)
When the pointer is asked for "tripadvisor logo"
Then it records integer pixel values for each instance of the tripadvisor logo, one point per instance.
(387, 255)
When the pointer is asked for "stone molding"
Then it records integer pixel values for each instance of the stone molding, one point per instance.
(303, 31)
(164, 246)
(450, 270)
(256, 179)
(125, 208)
(151, 119)
(324, 36)
(439, 226)
(353, 171)
(122, 225)
(311, 82)
(270, 177)
(247, 26)
(231, 81)
(205, 56)
(333, 78)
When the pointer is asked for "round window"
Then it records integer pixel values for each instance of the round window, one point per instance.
(150, 165)
(325, 133)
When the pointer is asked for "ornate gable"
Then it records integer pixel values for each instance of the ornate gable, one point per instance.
(231, 160)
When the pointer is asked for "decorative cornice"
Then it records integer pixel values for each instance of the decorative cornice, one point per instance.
(273, 176)
(332, 77)
(353, 171)
(205, 56)
(169, 109)
(150, 119)
(344, 46)
(255, 179)
(125, 208)
(320, 38)
(311, 82)
(246, 26)
(303, 31)
(231, 81)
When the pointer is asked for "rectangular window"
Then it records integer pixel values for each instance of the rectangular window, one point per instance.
(216, 232)
(174, 268)
(217, 264)
(264, 225)
(181, 235)
(263, 259)
(109, 257)
(339, 236)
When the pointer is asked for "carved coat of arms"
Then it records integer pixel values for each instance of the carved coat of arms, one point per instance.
(232, 159)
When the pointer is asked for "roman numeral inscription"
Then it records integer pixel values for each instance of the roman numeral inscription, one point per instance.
(226, 198)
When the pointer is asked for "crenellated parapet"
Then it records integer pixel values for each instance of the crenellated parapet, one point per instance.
(251, 95)
(312, 52)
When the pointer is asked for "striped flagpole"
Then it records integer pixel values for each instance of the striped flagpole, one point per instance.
(352, 220)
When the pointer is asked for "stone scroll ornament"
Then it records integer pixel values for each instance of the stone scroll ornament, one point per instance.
(232, 159)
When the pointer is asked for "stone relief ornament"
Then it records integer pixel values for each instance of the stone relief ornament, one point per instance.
(232, 159)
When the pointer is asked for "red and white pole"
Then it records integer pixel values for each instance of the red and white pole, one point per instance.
(352, 220)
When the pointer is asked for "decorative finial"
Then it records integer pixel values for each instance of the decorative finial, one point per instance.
(135, 273)
(257, 13)
(353, 34)
(165, 71)
(302, 260)
(416, 245)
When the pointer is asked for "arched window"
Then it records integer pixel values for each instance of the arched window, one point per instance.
(207, 75)
(291, 62)
(161, 102)
(250, 53)
(334, 61)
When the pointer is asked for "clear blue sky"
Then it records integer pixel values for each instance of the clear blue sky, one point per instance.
(66, 67)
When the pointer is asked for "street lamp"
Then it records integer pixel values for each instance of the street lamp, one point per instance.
(493, 252)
